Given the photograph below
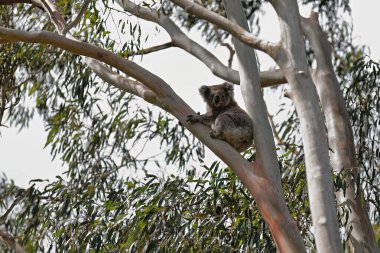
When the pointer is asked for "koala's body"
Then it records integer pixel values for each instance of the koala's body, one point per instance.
(227, 120)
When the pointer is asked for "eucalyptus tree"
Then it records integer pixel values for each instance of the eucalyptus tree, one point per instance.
(85, 84)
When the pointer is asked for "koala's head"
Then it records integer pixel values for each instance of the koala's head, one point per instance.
(218, 96)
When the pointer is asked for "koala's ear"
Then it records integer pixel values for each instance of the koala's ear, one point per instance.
(228, 87)
(204, 90)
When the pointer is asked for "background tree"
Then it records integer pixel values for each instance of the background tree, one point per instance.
(85, 84)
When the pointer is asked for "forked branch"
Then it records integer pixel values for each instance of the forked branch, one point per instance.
(181, 40)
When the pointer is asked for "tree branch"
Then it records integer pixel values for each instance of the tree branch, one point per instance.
(123, 83)
(54, 14)
(152, 49)
(100, 69)
(156, 84)
(179, 39)
(77, 18)
(235, 30)
(281, 224)
(9, 240)
(225, 44)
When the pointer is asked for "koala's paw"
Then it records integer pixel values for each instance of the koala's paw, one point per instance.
(192, 118)
(213, 134)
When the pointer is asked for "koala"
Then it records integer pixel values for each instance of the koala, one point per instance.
(227, 120)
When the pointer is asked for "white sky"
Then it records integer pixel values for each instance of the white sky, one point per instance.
(23, 158)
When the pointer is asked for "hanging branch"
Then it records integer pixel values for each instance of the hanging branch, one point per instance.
(77, 19)
(9, 240)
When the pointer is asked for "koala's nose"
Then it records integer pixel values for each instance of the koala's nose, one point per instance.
(217, 99)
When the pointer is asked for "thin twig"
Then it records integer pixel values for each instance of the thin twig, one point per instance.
(3, 101)
(54, 15)
(225, 44)
(280, 141)
(77, 18)
(152, 49)
(9, 210)
(14, 203)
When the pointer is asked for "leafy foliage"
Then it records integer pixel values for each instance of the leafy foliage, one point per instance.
(212, 212)
(363, 103)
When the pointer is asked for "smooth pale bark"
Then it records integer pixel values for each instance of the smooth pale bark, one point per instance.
(234, 29)
(181, 40)
(341, 141)
(284, 230)
(253, 97)
(121, 82)
(291, 57)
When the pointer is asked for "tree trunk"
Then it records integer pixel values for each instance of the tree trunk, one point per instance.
(285, 232)
(341, 141)
(291, 57)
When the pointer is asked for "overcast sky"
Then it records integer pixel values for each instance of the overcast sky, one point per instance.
(23, 158)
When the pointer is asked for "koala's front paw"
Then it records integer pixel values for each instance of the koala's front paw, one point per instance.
(216, 135)
(192, 118)
(213, 134)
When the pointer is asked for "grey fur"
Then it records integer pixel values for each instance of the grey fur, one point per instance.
(227, 120)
